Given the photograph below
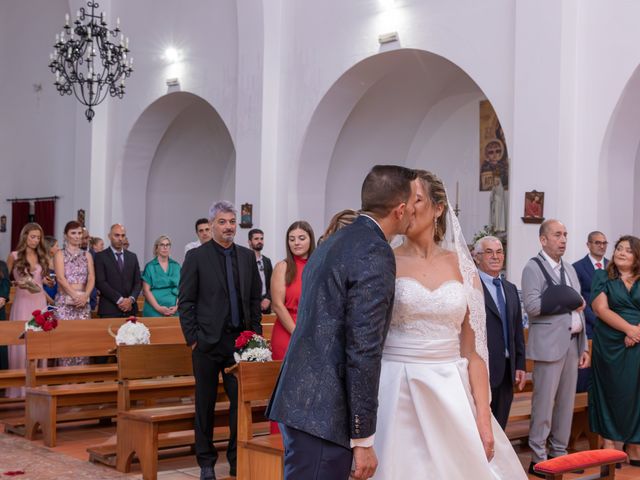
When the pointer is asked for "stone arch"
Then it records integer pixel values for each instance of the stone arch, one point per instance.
(408, 98)
(157, 157)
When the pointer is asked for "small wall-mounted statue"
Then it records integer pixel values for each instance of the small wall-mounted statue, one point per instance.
(3, 223)
(498, 206)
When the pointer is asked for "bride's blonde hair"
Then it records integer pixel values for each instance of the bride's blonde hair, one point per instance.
(436, 192)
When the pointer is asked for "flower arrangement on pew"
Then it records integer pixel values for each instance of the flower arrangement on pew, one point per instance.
(252, 347)
(42, 321)
(132, 332)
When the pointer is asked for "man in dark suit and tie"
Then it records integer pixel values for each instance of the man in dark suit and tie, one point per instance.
(117, 277)
(219, 298)
(505, 338)
(256, 243)
(326, 397)
(585, 268)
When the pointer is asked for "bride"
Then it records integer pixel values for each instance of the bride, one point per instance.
(434, 419)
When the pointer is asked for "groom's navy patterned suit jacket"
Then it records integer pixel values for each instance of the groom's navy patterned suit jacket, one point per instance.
(328, 385)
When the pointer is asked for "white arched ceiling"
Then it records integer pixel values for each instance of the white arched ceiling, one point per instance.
(407, 107)
(619, 173)
(155, 152)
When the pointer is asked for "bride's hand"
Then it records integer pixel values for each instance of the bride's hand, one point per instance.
(486, 435)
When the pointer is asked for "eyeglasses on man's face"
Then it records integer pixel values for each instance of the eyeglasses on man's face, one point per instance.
(598, 243)
(492, 253)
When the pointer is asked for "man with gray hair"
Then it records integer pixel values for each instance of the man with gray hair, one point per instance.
(220, 293)
(557, 342)
(505, 339)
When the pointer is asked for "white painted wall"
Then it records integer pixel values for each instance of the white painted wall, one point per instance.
(193, 167)
(37, 128)
(290, 82)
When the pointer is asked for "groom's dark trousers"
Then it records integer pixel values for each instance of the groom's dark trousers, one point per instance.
(311, 458)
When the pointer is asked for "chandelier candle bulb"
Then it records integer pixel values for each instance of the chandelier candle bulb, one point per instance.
(66, 19)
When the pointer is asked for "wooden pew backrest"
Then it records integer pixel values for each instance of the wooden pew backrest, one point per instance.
(147, 361)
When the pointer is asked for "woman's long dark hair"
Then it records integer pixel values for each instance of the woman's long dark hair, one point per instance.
(290, 275)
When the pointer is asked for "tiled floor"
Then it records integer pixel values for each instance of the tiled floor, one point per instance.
(72, 460)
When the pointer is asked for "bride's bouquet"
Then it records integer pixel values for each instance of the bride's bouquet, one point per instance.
(252, 348)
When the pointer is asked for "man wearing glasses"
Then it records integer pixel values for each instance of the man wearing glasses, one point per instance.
(585, 268)
(505, 339)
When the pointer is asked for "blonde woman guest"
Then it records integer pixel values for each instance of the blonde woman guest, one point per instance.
(29, 264)
(160, 281)
(76, 278)
(338, 221)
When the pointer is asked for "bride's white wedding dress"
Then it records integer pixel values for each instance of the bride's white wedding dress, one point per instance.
(426, 416)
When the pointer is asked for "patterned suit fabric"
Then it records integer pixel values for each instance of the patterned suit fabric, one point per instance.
(328, 385)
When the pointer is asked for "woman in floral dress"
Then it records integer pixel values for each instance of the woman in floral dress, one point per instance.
(76, 278)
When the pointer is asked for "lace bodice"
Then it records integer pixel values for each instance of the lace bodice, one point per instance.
(434, 314)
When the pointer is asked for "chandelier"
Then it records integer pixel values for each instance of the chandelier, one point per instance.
(89, 60)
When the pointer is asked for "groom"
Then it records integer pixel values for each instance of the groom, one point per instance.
(326, 398)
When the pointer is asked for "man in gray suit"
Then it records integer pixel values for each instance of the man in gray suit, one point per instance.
(557, 343)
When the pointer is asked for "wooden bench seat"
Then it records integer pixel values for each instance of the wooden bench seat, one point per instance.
(77, 385)
(262, 457)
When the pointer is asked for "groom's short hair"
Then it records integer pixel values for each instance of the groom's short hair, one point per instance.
(385, 187)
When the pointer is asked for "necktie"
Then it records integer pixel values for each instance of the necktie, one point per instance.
(598, 265)
(502, 307)
(120, 261)
(563, 279)
(231, 285)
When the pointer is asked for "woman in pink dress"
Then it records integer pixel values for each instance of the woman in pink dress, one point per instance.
(75, 275)
(29, 264)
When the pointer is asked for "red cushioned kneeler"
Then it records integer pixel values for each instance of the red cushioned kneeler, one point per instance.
(555, 467)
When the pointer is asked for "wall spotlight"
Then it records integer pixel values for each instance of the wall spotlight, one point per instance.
(172, 55)
(172, 82)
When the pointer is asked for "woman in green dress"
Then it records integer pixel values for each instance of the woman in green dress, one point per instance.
(614, 395)
(160, 281)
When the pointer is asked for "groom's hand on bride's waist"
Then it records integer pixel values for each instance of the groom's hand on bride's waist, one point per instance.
(365, 463)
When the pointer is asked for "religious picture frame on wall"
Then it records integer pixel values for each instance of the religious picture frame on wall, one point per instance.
(533, 207)
(246, 214)
(81, 217)
(494, 157)
(3, 223)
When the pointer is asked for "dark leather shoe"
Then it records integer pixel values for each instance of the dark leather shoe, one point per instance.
(534, 473)
(232, 471)
(207, 473)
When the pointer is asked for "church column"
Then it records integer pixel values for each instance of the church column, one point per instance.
(545, 95)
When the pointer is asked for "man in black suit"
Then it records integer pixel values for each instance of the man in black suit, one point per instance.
(326, 397)
(505, 338)
(219, 298)
(256, 243)
(117, 277)
(585, 268)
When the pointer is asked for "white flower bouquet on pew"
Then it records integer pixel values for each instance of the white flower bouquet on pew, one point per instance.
(252, 348)
(132, 332)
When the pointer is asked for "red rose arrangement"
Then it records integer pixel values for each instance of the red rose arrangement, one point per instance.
(252, 347)
(42, 321)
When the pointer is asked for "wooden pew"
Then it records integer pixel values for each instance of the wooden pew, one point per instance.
(262, 457)
(10, 332)
(49, 390)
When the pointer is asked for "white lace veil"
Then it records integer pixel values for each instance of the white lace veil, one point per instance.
(455, 242)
